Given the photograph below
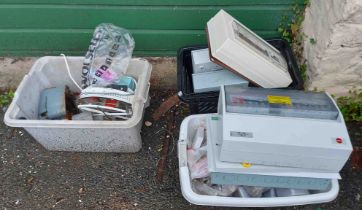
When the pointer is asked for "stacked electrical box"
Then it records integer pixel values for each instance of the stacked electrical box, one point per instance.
(277, 139)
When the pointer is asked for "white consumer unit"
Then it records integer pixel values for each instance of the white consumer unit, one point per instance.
(248, 174)
(282, 128)
(234, 46)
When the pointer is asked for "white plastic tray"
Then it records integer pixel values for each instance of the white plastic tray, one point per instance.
(187, 130)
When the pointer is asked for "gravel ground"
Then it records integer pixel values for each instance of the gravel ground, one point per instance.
(34, 178)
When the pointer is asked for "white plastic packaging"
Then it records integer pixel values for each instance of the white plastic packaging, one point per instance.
(255, 191)
(199, 137)
(205, 188)
(199, 169)
(194, 155)
(77, 135)
(283, 192)
(270, 193)
(241, 192)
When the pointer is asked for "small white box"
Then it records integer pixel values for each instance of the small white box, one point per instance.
(237, 48)
(211, 81)
(279, 137)
(201, 61)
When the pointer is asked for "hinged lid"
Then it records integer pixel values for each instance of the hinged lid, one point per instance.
(284, 103)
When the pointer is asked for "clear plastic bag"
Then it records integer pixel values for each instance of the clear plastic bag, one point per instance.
(204, 187)
(255, 191)
(194, 155)
(199, 169)
(108, 55)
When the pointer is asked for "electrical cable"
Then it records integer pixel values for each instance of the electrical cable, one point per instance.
(69, 74)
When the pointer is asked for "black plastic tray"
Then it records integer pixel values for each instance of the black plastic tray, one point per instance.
(200, 103)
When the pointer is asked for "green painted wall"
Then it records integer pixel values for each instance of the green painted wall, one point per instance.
(160, 27)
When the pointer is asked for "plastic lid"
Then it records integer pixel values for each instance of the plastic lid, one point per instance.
(277, 102)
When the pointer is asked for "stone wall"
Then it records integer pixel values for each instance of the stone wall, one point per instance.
(333, 45)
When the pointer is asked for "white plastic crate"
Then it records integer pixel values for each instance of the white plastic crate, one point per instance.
(72, 135)
(187, 131)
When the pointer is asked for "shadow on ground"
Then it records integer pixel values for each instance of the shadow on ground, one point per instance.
(34, 178)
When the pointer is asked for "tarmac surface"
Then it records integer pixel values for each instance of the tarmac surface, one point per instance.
(33, 178)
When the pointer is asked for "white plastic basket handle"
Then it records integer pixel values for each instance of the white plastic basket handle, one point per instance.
(144, 97)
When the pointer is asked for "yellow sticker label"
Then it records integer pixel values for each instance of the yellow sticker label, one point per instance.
(246, 165)
(279, 100)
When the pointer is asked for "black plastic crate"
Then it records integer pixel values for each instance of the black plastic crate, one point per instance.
(200, 103)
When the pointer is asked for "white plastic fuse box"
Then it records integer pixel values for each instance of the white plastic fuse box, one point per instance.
(244, 173)
(282, 128)
(235, 47)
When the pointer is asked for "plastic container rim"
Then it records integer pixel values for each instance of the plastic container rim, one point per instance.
(133, 121)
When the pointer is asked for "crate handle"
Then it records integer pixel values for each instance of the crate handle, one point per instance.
(144, 98)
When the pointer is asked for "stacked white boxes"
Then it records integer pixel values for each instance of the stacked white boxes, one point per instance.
(208, 76)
